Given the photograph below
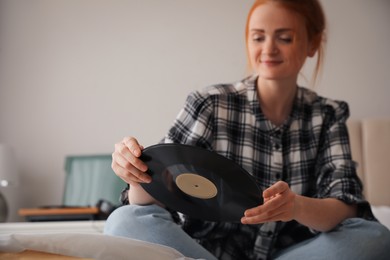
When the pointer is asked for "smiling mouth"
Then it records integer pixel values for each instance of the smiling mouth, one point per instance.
(271, 62)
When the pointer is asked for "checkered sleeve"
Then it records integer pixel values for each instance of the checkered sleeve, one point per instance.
(337, 171)
(193, 125)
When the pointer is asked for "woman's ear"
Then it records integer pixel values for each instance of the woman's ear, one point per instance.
(314, 45)
(312, 51)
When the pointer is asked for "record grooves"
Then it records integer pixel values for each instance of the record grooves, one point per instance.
(199, 183)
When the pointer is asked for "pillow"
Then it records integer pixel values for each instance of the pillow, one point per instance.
(382, 213)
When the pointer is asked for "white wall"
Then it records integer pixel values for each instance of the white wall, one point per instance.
(78, 75)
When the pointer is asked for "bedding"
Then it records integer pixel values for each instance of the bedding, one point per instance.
(92, 246)
(28, 242)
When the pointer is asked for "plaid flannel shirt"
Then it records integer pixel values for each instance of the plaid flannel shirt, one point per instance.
(310, 152)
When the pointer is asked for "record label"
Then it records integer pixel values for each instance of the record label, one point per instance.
(196, 186)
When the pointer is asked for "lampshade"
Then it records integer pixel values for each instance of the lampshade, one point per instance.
(8, 168)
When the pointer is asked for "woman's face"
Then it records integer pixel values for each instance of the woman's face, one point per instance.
(277, 42)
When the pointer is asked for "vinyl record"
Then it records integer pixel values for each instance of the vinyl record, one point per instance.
(199, 183)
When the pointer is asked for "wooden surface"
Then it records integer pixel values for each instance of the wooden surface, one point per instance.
(30, 254)
(57, 211)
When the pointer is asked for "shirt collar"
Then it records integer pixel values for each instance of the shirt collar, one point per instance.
(303, 98)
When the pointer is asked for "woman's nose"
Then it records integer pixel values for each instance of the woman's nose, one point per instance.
(270, 47)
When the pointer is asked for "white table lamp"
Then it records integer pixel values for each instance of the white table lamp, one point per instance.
(9, 177)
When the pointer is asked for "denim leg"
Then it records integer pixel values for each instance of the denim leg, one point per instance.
(153, 224)
(353, 239)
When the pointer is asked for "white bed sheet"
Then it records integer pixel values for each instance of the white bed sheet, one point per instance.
(96, 246)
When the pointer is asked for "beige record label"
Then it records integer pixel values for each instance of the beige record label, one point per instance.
(196, 186)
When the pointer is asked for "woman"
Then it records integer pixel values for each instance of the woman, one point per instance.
(294, 142)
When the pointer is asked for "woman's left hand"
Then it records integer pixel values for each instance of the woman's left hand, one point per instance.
(279, 205)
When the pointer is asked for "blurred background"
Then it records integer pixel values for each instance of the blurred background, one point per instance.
(78, 75)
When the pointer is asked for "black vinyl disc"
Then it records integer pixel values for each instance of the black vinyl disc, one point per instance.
(199, 183)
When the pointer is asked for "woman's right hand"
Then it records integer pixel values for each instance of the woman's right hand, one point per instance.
(126, 163)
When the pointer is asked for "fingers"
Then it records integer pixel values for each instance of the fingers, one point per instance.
(128, 172)
(132, 144)
(265, 212)
(126, 164)
(278, 206)
(128, 159)
(277, 188)
(259, 219)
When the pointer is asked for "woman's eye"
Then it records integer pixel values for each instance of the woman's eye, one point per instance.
(286, 39)
(258, 38)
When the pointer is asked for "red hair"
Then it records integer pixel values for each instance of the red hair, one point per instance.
(313, 15)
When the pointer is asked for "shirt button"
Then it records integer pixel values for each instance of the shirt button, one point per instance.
(277, 176)
(269, 233)
(277, 146)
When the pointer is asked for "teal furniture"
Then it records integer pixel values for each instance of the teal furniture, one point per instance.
(90, 179)
(91, 192)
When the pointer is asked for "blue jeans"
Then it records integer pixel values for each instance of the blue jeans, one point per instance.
(353, 239)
